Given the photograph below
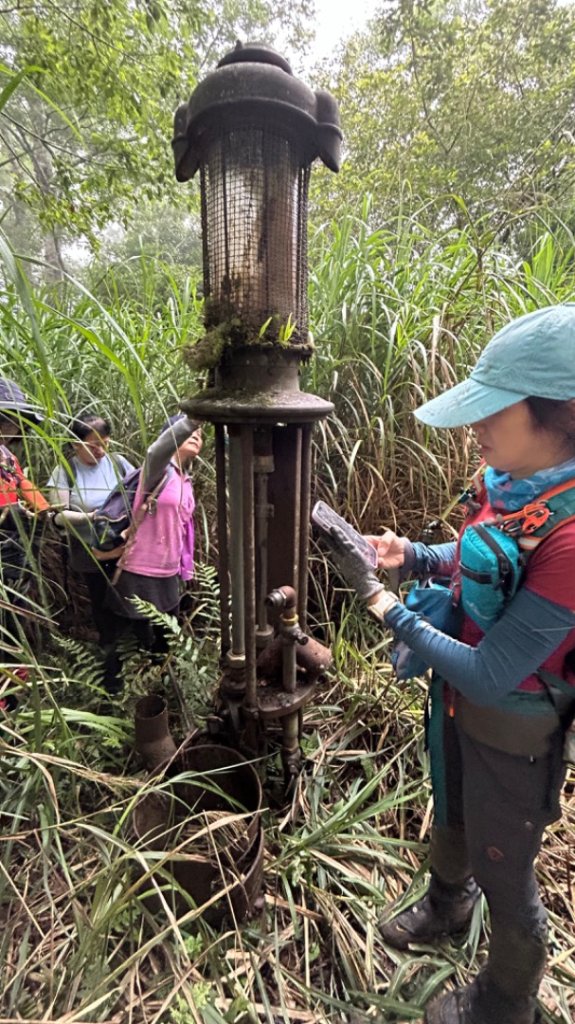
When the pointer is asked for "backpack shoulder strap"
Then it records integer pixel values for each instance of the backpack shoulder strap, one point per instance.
(560, 501)
(116, 461)
(137, 519)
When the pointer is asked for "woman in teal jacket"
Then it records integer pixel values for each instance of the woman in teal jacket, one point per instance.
(497, 731)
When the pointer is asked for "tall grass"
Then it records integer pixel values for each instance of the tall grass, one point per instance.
(397, 315)
(70, 350)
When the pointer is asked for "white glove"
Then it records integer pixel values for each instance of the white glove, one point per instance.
(380, 604)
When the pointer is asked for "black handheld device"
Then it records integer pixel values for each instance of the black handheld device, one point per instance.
(324, 517)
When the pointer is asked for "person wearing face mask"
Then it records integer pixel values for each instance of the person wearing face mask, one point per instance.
(17, 494)
(160, 553)
(83, 484)
(502, 698)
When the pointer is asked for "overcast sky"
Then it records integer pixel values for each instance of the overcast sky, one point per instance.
(337, 19)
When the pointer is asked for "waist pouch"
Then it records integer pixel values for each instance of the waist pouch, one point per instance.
(524, 730)
(491, 565)
(522, 724)
(433, 600)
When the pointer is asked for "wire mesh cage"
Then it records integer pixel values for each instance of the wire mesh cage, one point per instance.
(253, 130)
(254, 224)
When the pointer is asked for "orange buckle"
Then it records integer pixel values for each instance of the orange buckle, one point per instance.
(528, 519)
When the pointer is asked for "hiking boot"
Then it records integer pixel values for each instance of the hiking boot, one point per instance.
(444, 910)
(480, 1003)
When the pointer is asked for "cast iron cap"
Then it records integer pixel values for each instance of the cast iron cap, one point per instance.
(254, 85)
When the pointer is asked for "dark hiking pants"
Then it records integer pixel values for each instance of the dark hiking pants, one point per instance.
(491, 809)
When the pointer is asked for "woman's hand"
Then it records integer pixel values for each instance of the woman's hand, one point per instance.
(390, 550)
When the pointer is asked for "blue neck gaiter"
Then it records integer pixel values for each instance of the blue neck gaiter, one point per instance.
(506, 494)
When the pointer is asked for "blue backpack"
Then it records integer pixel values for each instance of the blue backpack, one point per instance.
(114, 520)
(493, 554)
(114, 516)
(492, 560)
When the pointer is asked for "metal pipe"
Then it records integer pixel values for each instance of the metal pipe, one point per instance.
(304, 529)
(263, 466)
(289, 665)
(290, 744)
(223, 561)
(297, 510)
(237, 515)
(262, 547)
(249, 573)
(284, 599)
(290, 634)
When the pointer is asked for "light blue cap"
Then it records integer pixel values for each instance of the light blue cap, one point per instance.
(533, 355)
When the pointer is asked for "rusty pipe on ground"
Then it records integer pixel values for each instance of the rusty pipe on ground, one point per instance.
(153, 739)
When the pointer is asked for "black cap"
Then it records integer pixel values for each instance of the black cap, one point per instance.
(13, 400)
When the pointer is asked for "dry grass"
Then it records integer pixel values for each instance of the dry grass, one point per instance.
(79, 941)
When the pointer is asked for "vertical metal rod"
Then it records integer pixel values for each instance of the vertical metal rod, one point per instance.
(291, 754)
(247, 455)
(263, 466)
(223, 562)
(289, 666)
(290, 740)
(305, 504)
(297, 496)
(262, 549)
(237, 516)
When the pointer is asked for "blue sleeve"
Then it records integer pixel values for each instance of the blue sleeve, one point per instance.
(517, 645)
(428, 559)
(160, 452)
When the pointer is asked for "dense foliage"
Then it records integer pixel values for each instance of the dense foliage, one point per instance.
(113, 74)
(465, 104)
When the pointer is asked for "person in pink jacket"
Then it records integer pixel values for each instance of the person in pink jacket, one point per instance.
(161, 554)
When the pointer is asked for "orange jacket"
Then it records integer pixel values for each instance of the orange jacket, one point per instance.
(14, 485)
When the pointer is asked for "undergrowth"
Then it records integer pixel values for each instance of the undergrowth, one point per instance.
(89, 930)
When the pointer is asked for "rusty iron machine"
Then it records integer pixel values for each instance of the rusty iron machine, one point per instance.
(252, 130)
